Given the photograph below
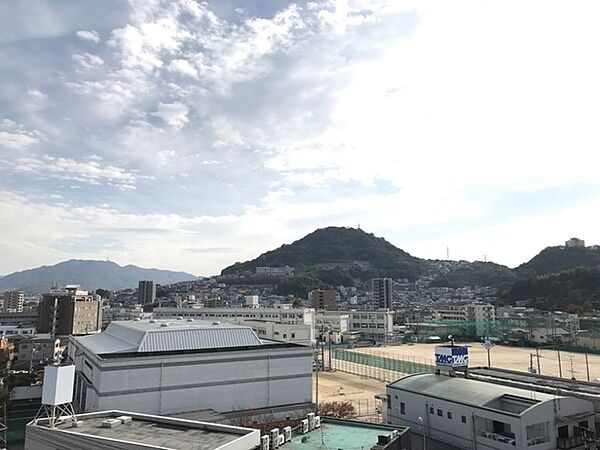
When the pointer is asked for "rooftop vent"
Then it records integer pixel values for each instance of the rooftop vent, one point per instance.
(137, 319)
(110, 423)
(216, 322)
(179, 317)
(153, 321)
(165, 324)
(190, 320)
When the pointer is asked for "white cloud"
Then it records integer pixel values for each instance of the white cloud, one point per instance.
(174, 114)
(88, 61)
(89, 172)
(89, 35)
(183, 67)
(14, 136)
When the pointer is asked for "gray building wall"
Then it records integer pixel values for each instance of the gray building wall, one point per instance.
(223, 380)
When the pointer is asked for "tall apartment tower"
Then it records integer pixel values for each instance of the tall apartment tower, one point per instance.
(382, 292)
(69, 311)
(147, 292)
(13, 301)
(324, 299)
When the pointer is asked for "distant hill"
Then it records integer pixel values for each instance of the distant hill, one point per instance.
(558, 259)
(90, 275)
(477, 273)
(576, 290)
(348, 248)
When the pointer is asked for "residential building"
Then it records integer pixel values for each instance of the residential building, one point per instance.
(124, 430)
(37, 349)
(382, 292)
(147, 292)
(471, 414)
(168, 367)
(479, 317)
(324, 299)
(69, 311)
(13, 301)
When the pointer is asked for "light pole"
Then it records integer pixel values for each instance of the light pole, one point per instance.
(422, 434)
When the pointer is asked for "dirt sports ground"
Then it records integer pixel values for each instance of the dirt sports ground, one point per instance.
(339, 385)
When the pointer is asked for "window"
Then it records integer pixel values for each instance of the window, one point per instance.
(440, 413)
(449, 415)
(402, 408)
(389, 402)
(431, 410)
(463, 418)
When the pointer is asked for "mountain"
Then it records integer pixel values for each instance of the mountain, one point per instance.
(576, 290)
(332, 248)
(477, 273)
(561, 258)
(90, 275)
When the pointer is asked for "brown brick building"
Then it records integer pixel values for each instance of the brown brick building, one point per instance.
(69, 311)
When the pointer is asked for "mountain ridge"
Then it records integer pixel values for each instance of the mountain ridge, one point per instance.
(90, 274)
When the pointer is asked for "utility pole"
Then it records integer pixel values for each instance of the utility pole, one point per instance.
(537, 355)
(587, 367)
(559, 364)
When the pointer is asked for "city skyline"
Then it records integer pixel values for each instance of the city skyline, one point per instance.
(188, 136)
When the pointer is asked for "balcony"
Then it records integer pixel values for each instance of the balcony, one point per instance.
(510, 440)
(573, 442)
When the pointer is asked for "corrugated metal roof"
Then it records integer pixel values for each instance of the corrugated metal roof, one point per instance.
(461, 390)
(160, 336)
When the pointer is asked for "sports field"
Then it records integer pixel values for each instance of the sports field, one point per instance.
(515, 358)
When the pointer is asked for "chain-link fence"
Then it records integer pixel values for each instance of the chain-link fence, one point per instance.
(378, 365)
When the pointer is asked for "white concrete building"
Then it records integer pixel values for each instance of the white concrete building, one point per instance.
(374, 323)
(470, 414)
(160, 367)
(289, 316)
(481, 317)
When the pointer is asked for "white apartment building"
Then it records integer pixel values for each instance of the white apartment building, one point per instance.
(481, 316)
(12, 301)
(275, 271)
(168, 367)
(471, 414)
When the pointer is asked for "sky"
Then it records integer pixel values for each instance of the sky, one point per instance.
(189, 135)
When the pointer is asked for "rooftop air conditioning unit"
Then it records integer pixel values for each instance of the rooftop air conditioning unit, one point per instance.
(165, 324)
(281, 440)
(125, 419)
(304, 426)
(317, 421)
(287, 433)
(152, 320)
(264, 442)
(311, 421)
(274, 435)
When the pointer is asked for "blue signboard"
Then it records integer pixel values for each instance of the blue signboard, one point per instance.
(452, 356)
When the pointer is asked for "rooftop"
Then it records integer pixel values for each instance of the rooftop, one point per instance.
(341, 434)
(153, 431)
(470, 392)
(143, 336)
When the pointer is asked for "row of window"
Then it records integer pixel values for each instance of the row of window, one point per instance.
(440, 413)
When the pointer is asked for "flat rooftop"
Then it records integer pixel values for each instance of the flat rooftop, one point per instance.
(498, 375)
(155, 431)
(343, 434)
